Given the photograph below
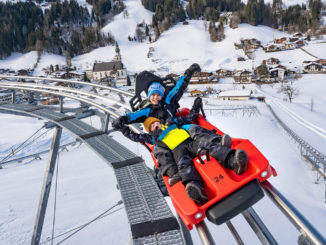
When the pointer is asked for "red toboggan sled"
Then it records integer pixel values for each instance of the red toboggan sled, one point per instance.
(228, 193)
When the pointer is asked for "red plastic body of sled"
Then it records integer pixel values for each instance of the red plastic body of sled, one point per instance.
(219, 181)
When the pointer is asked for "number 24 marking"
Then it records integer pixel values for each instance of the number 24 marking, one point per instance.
(218, 178)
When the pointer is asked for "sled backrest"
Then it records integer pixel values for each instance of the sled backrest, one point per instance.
(143, 81)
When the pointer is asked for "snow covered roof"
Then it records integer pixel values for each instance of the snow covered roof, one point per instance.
(235, 93)
(108, 66)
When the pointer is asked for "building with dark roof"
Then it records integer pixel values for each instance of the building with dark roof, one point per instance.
(113, 69)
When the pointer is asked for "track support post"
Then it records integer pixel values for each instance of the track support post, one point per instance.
(106, 123)
(46, 186)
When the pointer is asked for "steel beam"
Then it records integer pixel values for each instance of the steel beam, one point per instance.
(259, 227)
(204, 234)
(46, 186)
(297, 219)
(234, 232)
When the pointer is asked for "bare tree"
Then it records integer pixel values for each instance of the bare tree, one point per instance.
(290, 91)
(235, 20)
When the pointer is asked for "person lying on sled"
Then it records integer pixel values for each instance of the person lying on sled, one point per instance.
(176, 147)
(160, 103)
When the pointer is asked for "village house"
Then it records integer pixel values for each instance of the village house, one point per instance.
(248, 44)
(289, 46)
(201, 77)
(241, 95)
(271, 48)
(223, 73)
(243, 77)
(299, 43)
(271, 61)
(321, 61)
(277, 73)
(313, 67)
(280, 40)
(69, 75)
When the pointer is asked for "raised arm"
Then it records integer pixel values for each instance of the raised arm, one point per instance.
(176, 93)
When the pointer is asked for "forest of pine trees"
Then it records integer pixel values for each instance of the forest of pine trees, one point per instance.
(69, 29)
(167, 14)
(255, 12)
(65, 29)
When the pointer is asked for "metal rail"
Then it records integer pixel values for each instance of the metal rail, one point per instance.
(87, 101)
(310, 154)
(69, 81)
(62, 89)
(300, 222)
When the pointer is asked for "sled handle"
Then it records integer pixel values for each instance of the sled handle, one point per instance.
(206, 154)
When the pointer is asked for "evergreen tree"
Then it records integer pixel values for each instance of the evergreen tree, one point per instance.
(128, 81)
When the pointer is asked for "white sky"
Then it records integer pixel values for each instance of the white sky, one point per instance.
(87, 186)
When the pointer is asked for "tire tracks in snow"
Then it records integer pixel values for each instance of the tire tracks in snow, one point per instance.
(318, 130)
(300, 120)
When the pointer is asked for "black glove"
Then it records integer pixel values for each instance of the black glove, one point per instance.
(172, 171)
(192, 69)
(197, 103)
(117, 123)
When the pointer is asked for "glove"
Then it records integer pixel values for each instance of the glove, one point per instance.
(117, 123)
(197, 103)
(192, 69)
(172, 171)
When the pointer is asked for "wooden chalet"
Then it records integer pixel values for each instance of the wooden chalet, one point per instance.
(243, 77)
(313, 67)
(201, 77)
(223, 73)
(280, 40)
(271, 61)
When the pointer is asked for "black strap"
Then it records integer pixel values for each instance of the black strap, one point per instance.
(127, 162)
(153, 227)
(64, 118)
(90, 135)
(33, 109)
